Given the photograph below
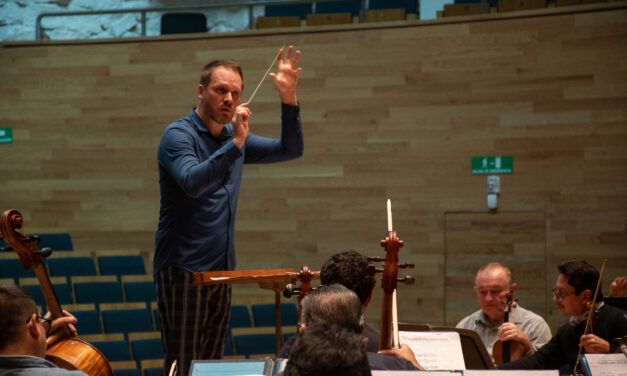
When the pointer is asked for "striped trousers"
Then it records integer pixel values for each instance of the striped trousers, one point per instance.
(194, 319)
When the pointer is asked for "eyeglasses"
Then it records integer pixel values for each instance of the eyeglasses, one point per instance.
(559, 296)
(45, 322)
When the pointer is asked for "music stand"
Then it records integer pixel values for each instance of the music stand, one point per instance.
(225, 367)
(475, 354)
(273, 279)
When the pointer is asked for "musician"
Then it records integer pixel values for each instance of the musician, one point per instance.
(200, 158)
(492, 284)
(337, 305)
(574, 290)
(23, 335)
(328, 350)
(618, 288)
(348, 268)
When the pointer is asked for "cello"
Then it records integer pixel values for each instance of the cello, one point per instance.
(305, 276)
(389, 323)
(506, 351)
(63, 350)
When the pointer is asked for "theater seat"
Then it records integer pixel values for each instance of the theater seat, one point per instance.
(181, 23)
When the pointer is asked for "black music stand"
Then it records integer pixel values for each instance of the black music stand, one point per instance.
(475, 354)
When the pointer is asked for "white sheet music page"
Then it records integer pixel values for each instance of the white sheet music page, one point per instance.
(607, 364)
(435, 350)
(496, 372)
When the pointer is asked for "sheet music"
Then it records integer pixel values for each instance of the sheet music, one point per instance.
(607, 364)
(417, 373)
(436, 350)
(497, 372)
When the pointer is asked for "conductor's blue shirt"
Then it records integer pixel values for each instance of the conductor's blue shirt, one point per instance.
(199, 179)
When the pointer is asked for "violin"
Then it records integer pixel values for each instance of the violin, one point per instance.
(506, 351)
(63, 350)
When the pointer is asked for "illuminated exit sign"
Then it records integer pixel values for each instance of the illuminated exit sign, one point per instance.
(492, 165)
(6, 135)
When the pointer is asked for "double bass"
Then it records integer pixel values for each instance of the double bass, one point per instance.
(506, 351)
(63, 350)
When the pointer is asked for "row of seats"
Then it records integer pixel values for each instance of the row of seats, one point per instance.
(471, 7)
(60, 265)
(285, 15)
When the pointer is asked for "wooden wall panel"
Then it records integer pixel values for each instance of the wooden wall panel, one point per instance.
(389, 111)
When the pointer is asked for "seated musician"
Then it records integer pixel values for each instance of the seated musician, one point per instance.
(23, 335)
(349, 269)
(493, 283)
(328, 350)
(337, 305)
(573, 293)
(618, 288)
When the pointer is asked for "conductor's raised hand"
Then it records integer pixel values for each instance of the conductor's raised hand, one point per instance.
(286, 79)
(240, 124)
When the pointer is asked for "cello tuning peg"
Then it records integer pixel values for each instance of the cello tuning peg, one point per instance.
(290, 290)
(372, 270)
(407, 280)
(35, 239)
(406, 266)
(44, 252)
(376, 259)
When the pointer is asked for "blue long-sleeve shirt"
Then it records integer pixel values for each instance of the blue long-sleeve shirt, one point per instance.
(199, 178)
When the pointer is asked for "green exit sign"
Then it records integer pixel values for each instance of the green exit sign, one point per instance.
(6, 135)
(492, 165)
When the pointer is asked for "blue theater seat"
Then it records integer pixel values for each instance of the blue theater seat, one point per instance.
(251, 344)
(71, 266)
(287, 10)
(347, 6)
(240, 318)
(114, 351)
(12, 268)
(147, 349)
(140, 291)
(263, 314)
(98, 292)
(88, 321)
(121, 265)
(126, 320)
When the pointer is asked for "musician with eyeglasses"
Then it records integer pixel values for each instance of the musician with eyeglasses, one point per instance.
(493, 283)
(573, 294)
(23, 333)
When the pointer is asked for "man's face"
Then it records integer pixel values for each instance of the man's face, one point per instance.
(569, 303)
(221, 95)
(492, 286)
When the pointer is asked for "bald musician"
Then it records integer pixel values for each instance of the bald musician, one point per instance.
(492, 284)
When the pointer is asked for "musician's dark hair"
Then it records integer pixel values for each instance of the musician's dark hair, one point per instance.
(328, 350)
(349, 268)
(333, 304)
(207, 70)
(16, 305)
(581, 275)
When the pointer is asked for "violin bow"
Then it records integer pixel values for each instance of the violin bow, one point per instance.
(590, 315)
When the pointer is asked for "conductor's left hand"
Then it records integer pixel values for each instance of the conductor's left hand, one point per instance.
(286, 79)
